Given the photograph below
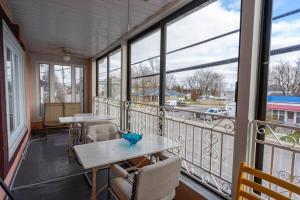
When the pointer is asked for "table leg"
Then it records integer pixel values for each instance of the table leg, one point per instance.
(108, 183)
(70, 140)
(94, 184)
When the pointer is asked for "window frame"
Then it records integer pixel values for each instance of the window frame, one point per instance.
(51, 82)
(109, 84)
(162, 25)
(14, 138)
(265, 53)
(297, 117)
(41, 112)
(107, 55)
(152, 30)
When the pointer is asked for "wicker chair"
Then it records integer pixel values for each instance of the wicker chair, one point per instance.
(71, 108)
(52, 112)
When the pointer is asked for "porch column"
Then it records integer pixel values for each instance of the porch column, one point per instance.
(247, 84)
(124, 82)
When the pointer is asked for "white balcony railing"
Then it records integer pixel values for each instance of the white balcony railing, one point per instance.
(208, 140)
(281, 152)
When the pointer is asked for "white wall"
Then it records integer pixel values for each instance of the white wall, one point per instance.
(35, 59)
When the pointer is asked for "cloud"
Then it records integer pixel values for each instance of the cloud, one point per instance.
(203, 24)
(212, 20)
(285, 33)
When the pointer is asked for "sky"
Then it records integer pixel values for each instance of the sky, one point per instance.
(212, 20)
(285, 31)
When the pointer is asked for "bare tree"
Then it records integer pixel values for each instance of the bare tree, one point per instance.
(146, 83)
(205, 82)
(170, 81)
(286, 78)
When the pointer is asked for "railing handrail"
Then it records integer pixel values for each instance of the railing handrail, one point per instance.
(275, 124)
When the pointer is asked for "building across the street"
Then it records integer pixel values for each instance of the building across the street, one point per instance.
(284, 109)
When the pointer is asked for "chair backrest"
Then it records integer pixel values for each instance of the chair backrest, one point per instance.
(246, 185)
(71, 108)
(157, 181)
(52, 112)
(102, 132)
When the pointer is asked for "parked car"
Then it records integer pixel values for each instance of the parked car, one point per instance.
(212, 112)
(171, 103)
(181, 103)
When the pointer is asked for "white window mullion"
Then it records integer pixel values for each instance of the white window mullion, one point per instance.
(51, 77)
(73, 84)
(16, 82)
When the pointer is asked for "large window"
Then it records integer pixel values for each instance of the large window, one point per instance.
(201, 57)
(145, 68)
(115, 75)
(102, 77)
(279, 91)
(79, 89)
(44, 86)
(188, 63)
(202, 48)
(284, 68)
(109, 75)
(61, 84)
(14, 89)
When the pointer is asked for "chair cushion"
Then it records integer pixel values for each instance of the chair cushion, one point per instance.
(102, 132)
(169, 196)
(158, 181)
(121, 188)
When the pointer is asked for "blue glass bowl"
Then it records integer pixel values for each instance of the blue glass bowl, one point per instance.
(132, 138)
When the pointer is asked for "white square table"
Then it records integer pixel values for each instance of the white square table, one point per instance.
(99, 154)
(82, 119)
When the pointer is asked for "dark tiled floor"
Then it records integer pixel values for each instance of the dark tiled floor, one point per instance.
(44, 163)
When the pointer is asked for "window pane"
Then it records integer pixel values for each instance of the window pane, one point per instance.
(210, 21)
(10, 74)
(102, 77)
(17, 90)
(282, 116)
(62, 84)
(115, 75)
(144, 62)
(284, 68)
(202, 55)
(145, 89)
(79, 85)
(44, 86)
(298, 118)
(146, 48)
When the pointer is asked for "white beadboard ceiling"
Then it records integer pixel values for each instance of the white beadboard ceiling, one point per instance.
(85, 26)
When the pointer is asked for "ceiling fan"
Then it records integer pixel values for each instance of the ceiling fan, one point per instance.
(67, 53)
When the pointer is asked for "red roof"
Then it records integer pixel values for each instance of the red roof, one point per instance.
(285, 107)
